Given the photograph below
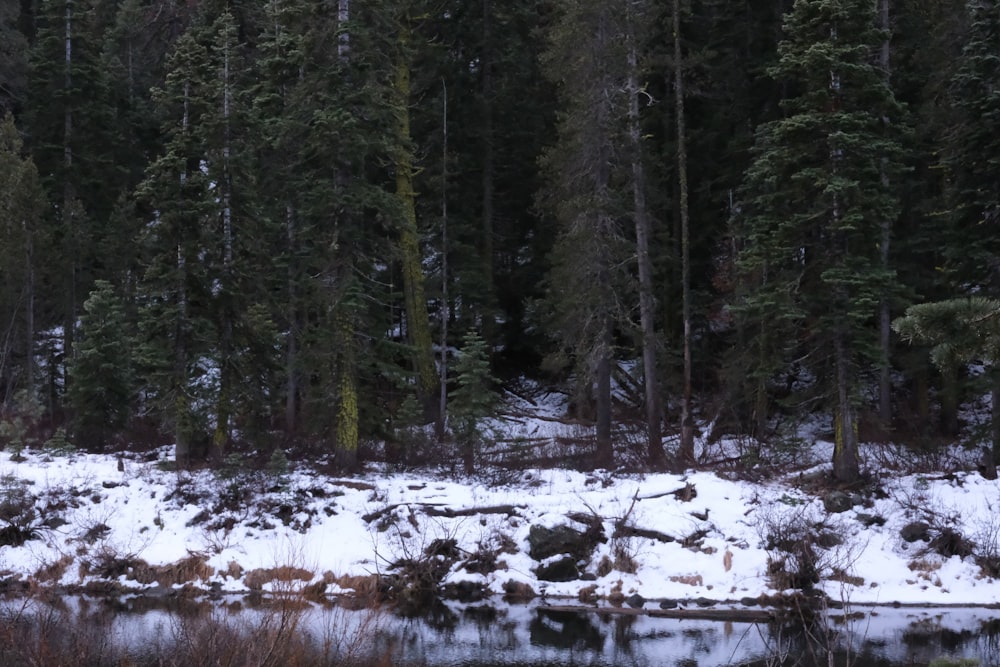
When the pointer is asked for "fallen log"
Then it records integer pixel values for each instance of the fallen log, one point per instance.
(634, 531)
(435, 510)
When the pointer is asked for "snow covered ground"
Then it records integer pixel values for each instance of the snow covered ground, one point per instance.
(94, 518)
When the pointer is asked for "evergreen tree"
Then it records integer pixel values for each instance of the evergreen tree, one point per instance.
(474, 399)
(22, 203)
(972, 153)
(101, 394)
(815, 197)
(410, 256)
(174, 292)
(585, 283)
(13, 61)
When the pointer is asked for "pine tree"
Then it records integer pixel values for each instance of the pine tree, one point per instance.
(410, 257)
(814, 198)
(584, 284)
(474, 399)
(71, 124)
(13, 61)
(101, 393)
(971, 151)
(174, 292)
(22, 203)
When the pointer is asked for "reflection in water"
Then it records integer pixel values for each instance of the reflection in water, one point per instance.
(146, 631)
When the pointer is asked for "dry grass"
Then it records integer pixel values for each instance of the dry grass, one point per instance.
(687, 579)
(281, 632)
(255, 579)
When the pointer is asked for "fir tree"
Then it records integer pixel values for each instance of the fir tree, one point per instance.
(474, 399)
(102, 390)
(815, 196)
(22, 204)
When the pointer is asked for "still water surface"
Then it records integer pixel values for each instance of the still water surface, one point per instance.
(456, 635)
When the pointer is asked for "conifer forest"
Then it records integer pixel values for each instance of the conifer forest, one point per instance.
(242, 225)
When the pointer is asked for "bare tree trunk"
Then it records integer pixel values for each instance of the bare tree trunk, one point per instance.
(605, 455)
(348, 414)
(417, 321)
(442, 417)
(291, 351)
(220, 439)
(69, 196)
(845, 450)
(181, 402)
(686, 452)
(29, 309)
(487, 134)
(647, 306)
(885, 312)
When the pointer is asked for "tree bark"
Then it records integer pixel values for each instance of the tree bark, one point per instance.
(686, 452)
(885, 312)
(487, 134)
(845, 449)
(442, 416)
(291, 350)
(647, 307)
(605, 449)
(417, 320)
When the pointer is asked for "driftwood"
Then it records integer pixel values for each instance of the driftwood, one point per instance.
(509, 510)
(703, 614)
(684, 494)
(436, 509)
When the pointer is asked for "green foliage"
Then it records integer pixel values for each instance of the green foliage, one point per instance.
(816, 195)
(102, 383)
(19, 519)
(19, 423)
(958, 330)
(970, 152)
(59, 444)
(474, 399)
(22, 203)
(278, 465)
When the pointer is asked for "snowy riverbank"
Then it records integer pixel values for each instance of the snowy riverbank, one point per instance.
(87, 519)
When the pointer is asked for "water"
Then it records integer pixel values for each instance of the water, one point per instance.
(142, 631)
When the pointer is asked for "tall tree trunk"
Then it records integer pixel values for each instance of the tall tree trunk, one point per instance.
(292, 342)
(845, 448)
(181, 400)
(442, 416)
(686, 453)
(885, 312)
(348, 415)
(223, 413)
(488, 166)
(647, 307)
(949, 400)
(29, 308)
(417, 320)
(605, 454)
(69, 195)
(347, 383)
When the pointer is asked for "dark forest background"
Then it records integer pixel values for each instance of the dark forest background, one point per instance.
(245, 225)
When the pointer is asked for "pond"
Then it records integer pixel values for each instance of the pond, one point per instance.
(292, 631)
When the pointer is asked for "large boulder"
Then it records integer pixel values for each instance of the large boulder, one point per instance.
(559, 569)
(916, 530)
(547, 542)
